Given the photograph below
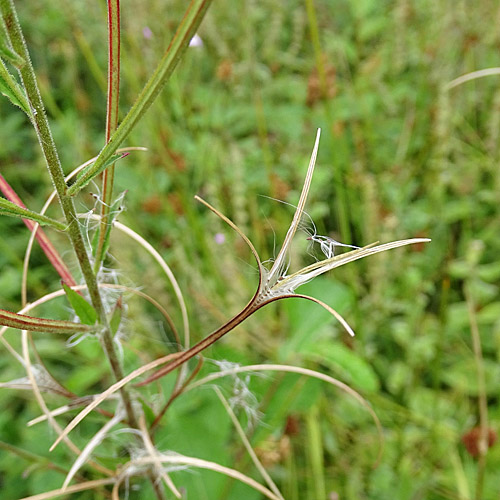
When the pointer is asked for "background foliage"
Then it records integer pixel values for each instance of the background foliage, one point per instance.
(401, 155)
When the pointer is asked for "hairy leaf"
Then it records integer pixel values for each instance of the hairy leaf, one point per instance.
(12, 90)
(116, 317)
(13, 210)
(8, 53)
(82, 308)
(114, 211)
(88, 173)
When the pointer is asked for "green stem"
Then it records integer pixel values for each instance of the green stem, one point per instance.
(42, 128)
(315, 453)
(153, 87)
(481, 383)
(185, 32)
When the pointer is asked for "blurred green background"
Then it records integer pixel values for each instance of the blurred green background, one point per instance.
(401, 155)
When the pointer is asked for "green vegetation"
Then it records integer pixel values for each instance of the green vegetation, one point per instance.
(406, 151)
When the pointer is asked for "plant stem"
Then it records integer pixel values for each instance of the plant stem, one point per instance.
(186, 30)
(43, 132)
(203, 344)
(111, 121)
(481, 383)
(108, 175)
(48, 248)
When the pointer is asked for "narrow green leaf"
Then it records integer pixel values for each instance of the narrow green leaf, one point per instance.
(8, 53)
(13, 57)
(44, 241)
(12, 90)
(22, 322)
(315, 453)
(95, 241)
(88, 173)
(148, 412)
(115, 210)
(13, 210)
(352, 367)
(82, 308)
(116, 317)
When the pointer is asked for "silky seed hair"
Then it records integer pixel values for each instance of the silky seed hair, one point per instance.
(306, 224)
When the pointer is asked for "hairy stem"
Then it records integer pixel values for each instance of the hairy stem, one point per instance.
(48, 248)
(192, 19)
(44, 134)
(111, 121)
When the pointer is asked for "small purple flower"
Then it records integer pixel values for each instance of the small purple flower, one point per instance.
(219, 238)
(147, 33)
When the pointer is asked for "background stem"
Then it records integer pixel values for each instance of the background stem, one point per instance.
(481, 383)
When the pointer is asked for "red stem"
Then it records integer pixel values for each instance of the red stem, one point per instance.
(111, 115)
(46, 245)
(113, 67)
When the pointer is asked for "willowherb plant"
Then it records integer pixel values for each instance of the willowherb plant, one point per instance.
(102, 316)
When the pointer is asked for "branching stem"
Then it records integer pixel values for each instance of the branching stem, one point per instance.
(49, 150)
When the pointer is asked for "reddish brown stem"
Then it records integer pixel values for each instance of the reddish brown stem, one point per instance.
(174, 394)
(46, 245)
(111, 119)
(203, 344)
